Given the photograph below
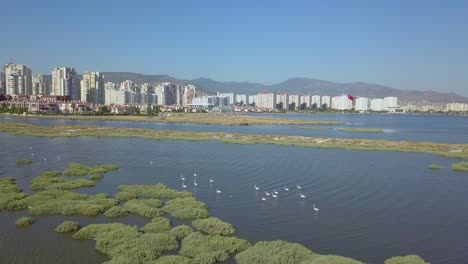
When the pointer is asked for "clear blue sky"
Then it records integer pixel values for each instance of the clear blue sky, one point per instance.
(404, 44)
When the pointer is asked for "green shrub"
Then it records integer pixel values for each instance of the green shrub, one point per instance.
(213, 226)
(76, 169)
(460, 166)
(210, 257)
(410, 259)
(434, 167)
(157, 225)
(24, 221)
(11, 195)
(171, 259)
(181, 231)
(67, 227)
(186, 208)
(197, 243)
(125, 196)
(140, 207)
(93, 231)
(96, 176)
(24, 161)
(116, 211)
(274, 252)
(329, 259)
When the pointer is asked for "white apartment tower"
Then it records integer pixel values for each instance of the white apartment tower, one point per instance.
(361, 104)
(40, 85)
(266, 100)
(282, 102)
(377, 104)
(315, 101)
(390, 102)
(65, 82)
(18, 79)
(326, 100)
(92, 88)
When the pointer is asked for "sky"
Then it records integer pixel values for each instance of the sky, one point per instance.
(418, 44)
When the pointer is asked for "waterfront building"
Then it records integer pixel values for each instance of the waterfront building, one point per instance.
(18, 79)
(189, 92)
(241, 99)
(390, 102)
(293, 101)
(341, 103)
(266, 100)
(304, 102)
(377, 104)
(361, 104)
(228, 95)
(252, 99)
(315, 102)
(92, 88)
(40, 85)
(326, 102)
(111, 93)
(457, 107)
(65, 82)
(282, 102)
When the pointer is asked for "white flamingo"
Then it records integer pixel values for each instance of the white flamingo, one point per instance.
(182, 177)
(256, 187)
(183, 185)
(151, 163)
(195, 183)
(298, 186)
(194, 175)
(58, 157)
(315, 208)
(275, 191)
(267, 193)
(218, 191)
(274, 196)
(211, 180)
(30, 147)
(302, 195)
(286, 188)
(263, 198)
(45, 159)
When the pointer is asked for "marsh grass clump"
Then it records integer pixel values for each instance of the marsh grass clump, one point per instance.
(126, 244)
(158, 191)
(157, 225)
(68, 227)
(24, 221)
(24, 161)
(213, 226)
(11, 197)
(143, 208)
(116, 211)
(76, 169)
(186, 208)
(52, 180)
(361, 130)
(181, 231)
(196, 244)
(96, 173)
(313, 127)
(410, 259)
(330, 259)
(52, 202)
(434, 167)
(460, 166)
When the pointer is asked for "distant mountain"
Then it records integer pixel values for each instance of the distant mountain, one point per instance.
(296, 86)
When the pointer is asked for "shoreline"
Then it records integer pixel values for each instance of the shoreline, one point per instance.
(459, 151)
(192, 118)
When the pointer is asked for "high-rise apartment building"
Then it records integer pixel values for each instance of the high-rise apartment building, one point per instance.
(377, 104)
(18, 79)
(282, 101)
(92, 88)
(326, 102)
(266, 100)
(390, 102)
(315, 102)
(65, 82)
(40, 85)
(228, 95)
(362, 104)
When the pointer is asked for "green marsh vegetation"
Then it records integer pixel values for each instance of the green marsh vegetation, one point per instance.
(361, 130)
(446, 150)
(434, 167)
(313, 127)
(24, 161)
(460, 166)
(208, 240)
(410, 259)
(68, 227)
(24, 221)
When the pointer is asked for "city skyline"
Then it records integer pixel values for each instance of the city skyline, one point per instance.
(424, 49)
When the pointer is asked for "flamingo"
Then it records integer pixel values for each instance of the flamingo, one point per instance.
(315, 208)
(195, 183)
(263, 198)
(267, 193)
(256, 187)
(151, 163)
(275, 191)
(183, 185)
(58, 157)
(302, 195)
(30, 147)
(274, 196)
(182, 177)
(211, 180)
(298, 186)
(194, 175)
(218, 191)
(286, 188)
(45, 159)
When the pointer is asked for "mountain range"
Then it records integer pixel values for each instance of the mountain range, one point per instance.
(298, 86)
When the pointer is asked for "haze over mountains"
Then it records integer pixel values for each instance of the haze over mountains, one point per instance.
(298, 86)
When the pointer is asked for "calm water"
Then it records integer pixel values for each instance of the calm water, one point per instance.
(373, 205)
(431, 128)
